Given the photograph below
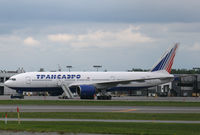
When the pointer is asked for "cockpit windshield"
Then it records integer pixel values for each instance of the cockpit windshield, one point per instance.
(13, 79)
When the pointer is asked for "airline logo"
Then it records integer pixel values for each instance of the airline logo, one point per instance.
(53, 76)
(167, 60)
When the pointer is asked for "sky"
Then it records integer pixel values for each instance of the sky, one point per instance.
(117, 34)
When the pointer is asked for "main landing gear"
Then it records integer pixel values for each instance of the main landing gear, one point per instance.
(103, 95)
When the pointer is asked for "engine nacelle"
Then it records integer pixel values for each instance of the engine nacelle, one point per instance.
(86, 91)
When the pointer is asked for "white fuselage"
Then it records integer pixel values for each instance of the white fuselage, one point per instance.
(101, 80)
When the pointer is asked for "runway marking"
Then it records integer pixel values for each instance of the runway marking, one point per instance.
(127, 110)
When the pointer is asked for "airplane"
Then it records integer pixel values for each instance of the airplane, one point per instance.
(88, 84)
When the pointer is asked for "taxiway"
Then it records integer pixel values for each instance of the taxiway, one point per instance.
(130, 109)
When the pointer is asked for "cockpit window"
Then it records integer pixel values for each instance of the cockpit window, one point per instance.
(13, 79)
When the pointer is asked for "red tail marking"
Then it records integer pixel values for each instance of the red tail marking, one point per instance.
(170, 63)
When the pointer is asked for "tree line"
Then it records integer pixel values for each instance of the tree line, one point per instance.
(173, 71)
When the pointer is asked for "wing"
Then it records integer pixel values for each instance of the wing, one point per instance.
(113, 83)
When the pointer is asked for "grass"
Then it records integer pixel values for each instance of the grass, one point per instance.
(105, 128)
(106, 115)
(99, 103)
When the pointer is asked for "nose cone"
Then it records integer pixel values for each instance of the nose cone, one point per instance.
(7, 83)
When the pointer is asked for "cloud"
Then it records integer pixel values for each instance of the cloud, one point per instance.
(9, 39)
(60, 37)
(103, 38)
(100, 11)
(110, 44)
(31, 42)
(195, 47)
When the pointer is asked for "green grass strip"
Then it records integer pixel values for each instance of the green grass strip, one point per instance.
(105, 128)
(106, 115)
(98, 103)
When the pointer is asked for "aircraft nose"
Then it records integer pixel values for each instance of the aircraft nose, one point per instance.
(7, 83)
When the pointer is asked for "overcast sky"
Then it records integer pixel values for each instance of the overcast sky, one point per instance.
(117, 34)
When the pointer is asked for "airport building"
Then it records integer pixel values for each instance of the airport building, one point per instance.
(183, 85)
(186, 85)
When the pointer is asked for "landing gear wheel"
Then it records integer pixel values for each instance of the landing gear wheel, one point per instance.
(104, 97)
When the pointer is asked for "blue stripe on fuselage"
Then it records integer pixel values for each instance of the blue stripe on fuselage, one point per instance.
(38, 89)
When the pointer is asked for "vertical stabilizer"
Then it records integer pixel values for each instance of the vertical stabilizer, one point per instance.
(166, 61)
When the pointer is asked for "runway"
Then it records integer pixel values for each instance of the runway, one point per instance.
(102, 120)
(125, 109)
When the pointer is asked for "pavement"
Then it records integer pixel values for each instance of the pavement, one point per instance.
(122, 98)
(102, 120)
(128, 109)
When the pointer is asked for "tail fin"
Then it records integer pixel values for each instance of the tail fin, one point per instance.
(166, 61)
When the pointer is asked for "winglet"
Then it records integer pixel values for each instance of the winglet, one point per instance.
(166, 61)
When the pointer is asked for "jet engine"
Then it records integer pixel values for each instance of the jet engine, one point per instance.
(86, 91)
